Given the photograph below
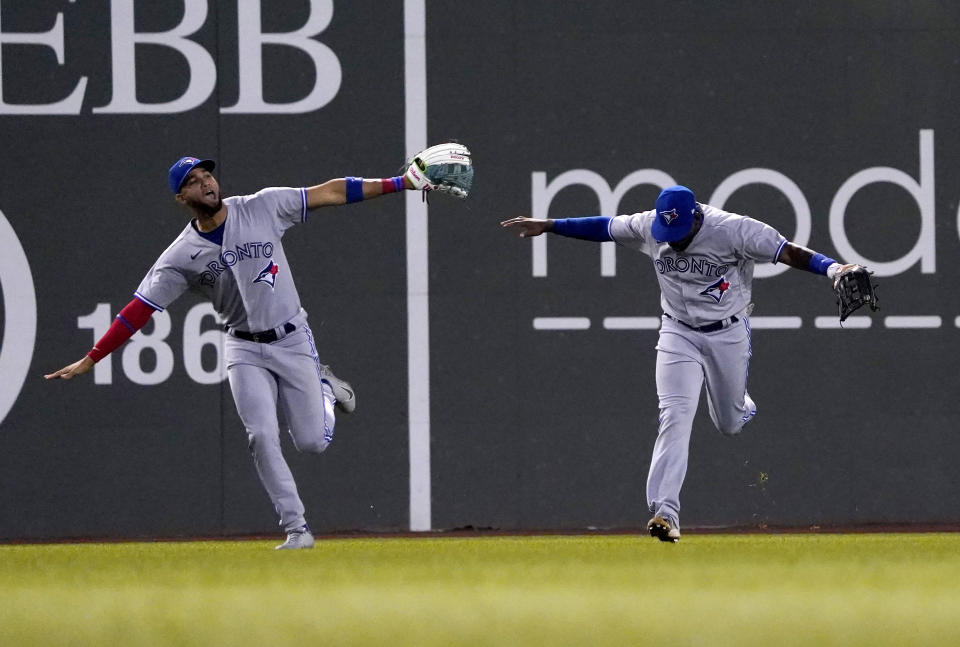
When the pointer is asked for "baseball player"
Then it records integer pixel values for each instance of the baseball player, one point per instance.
(704, 260)
(230, 252)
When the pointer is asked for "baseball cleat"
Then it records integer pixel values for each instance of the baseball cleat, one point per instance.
(663, 530)
(750, 406)
(342, 391)
(297, 539)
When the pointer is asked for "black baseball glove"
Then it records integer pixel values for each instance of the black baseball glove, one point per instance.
(854, 289)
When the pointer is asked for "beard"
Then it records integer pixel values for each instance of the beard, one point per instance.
(204, 208)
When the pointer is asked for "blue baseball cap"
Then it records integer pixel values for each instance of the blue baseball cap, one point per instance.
(675, 208)
(182, 167)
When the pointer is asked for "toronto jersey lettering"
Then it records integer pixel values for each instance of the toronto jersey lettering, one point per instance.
(247, 278)
(711, 279)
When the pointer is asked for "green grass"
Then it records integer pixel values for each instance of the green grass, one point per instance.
(869, 589)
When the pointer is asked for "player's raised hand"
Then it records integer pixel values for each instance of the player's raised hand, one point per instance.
(71, 370)
(835, 272)
(528, 227)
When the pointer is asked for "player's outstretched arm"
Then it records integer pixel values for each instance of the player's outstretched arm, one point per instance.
(447, 168)
(131, 319)
(595, 228)
(353, 189)
(809, 260)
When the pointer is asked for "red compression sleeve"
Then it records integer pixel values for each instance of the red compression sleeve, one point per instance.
(131, 319)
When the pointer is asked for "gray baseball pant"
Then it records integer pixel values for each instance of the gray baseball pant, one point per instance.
(285, 373)
(686, 359)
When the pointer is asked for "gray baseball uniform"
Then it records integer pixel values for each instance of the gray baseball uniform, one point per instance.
(248, 280)
(704, 336)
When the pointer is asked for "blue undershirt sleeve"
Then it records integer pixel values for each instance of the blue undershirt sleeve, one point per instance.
(595, 228)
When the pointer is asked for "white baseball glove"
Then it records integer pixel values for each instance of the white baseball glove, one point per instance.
(446, 168)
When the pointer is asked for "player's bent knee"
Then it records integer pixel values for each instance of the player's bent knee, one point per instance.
(313, 443)
(313, 447)
(730, 428)
(734, 425)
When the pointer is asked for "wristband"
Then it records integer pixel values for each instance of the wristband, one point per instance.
(354, 189)
(819, 263)
(391, 184)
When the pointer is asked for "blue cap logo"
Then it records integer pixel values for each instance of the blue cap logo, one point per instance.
(182, 167)
(675, 208)
(669, 216)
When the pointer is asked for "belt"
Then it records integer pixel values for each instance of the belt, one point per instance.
(710, 327)
(264, 336)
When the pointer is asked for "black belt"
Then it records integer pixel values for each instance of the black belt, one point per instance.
(264, 336)
(710, 327)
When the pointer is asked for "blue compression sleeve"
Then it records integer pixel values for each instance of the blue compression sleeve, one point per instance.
(596, 228)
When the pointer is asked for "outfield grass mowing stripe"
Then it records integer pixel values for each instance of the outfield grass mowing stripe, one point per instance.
(868, 589)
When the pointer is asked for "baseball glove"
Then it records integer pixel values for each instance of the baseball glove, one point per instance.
(446, 168)
(854, 289)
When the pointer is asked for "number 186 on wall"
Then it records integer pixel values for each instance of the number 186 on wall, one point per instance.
(194, 339)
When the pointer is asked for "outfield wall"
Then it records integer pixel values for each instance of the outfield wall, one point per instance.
(535, 407)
